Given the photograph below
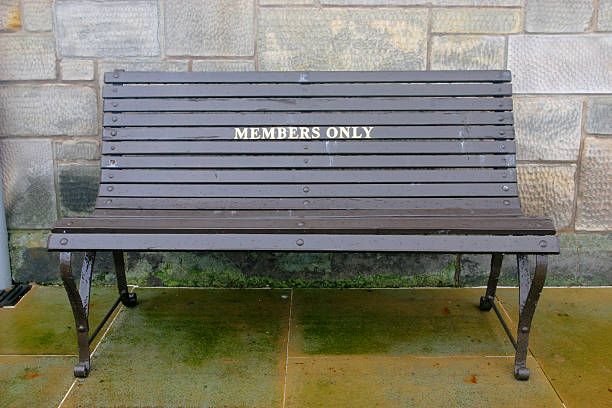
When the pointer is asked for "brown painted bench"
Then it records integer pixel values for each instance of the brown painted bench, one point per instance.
(308, 161)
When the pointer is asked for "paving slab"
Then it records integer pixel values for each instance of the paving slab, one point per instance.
(407, 381)
(27, 381)
(192, 347)
(572, 341)
(42, 322)
(394, 322)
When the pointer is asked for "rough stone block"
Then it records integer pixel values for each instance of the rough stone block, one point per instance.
(47, 110)
(599, 115)
(77, 69)
(342, 39)
(558, 16)
(223, 66)
(423, 2)
(594, 211)
(38, 15)
(547, 128)
(604, 15)
(30, 260)
(285, 2)
(467, 52)
(481, 21)
(139, 65)
(209, 27)
(27, 57)
(10, 15)
(77, 150)
(29, 191)
(560, 63)
(548, 190)
(594, 258)
(107, 29)
(78, 188)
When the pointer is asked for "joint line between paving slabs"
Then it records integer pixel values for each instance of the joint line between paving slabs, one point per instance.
(95, 349)
(287, 352)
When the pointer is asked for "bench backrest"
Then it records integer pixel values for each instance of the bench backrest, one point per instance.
(424, 142)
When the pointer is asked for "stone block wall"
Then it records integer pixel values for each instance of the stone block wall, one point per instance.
(53, 55)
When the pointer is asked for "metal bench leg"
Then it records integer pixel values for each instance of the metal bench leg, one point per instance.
(127, 298)
(487, 301)
(79, 301)
(529, 294)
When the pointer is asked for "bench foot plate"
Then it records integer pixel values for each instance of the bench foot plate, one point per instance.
(486, 303)
(521, 373)
(129, 299)
(81, 370)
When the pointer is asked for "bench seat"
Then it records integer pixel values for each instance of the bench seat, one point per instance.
(308, 161)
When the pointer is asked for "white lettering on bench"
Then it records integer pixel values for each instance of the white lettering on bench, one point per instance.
(303, 132)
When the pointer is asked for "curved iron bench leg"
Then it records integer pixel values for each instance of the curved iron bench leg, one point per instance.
(487, 301)
(127, 298)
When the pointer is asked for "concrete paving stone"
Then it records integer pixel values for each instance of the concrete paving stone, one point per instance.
(467, 52)
(477, 21)
(594, 212)
(408, 381)
(42, 322)
(560, 63)
(38, 15)
(227, 65)
(547, 128)
(558, 16)
(604, 15)
(26, 57)
(571, 341)
(48, 110)
(599, 115)
(77, 69)
(40, 382)
(342, 39)
(232, 341)
(29, 190)
(209, 27)
(10, 15)
(83, 28)
(393, 322)
(549, 191)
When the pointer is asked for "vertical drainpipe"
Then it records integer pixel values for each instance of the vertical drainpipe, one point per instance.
(5, 265)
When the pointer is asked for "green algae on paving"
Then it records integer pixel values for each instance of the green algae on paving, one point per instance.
(388, 321)
(572, 340)
(192, 347)
(42, 322)
(408, 381)
(39, 382)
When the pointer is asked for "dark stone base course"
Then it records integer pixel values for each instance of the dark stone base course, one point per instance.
(585, 260)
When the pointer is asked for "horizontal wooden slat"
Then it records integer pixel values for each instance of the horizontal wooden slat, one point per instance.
(327, 225)
(306, 242)
(307, 147)
(305, 213)
(471, 206)
(306, 104)
(305, 90)
(314, 190)
(347, 119)
(307, 176)
(378, 132)
(307, 77)
(327, 161)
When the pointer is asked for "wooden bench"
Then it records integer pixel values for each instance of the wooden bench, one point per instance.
(308, 161)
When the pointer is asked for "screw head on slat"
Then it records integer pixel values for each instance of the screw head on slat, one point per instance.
(113, 133)
(305, 160)
(506, 202)
(109, 201)
(505, 188)
(501, 132)
(113, 147)
(111, 176)
(503, 147)
(306, 202)
(63, 241)
(115, 74)
(300, 224)
(114, 119)
(299, 242)
(110, 188)
(115, 104)
(306, 189)
(543, 244)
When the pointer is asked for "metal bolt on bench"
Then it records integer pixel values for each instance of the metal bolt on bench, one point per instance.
(419, 161)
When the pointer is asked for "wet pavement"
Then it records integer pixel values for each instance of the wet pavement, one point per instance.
(308, 348)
